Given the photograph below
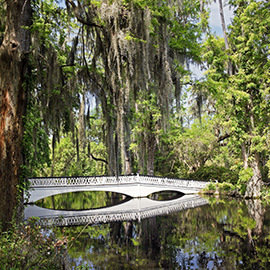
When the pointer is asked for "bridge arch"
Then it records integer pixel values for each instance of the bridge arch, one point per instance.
(133, 190)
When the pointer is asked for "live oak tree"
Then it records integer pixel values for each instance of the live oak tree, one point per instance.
(14, 72)
(131, 55)
(32, 79)
(134, 60)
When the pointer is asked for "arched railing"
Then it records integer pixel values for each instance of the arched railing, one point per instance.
(105, 180)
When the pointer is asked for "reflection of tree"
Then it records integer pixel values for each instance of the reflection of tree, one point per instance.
(128, 232)
(256, 211)
(150, 238)
(259, 236)
(149, 235)
(76, 200)
(225, 235)
(244, 235)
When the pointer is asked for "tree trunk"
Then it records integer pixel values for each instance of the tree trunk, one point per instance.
(13, 71)
(150, 237)
(128, 166)
(223, 25)
(82, 139)
(244, 155)
(255, 183)
(127, 155)
(151, 146)
(128, 232)
(151, 150)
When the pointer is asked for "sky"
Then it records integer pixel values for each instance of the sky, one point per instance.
(215, 21)
(215, 24)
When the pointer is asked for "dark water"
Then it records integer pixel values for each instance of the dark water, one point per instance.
(225, 234)
(82, 200)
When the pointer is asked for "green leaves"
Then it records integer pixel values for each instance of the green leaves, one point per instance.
(241, 97)
(27, 247)
(35, 142)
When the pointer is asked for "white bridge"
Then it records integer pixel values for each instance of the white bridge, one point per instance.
(134, 209)
(136, 186)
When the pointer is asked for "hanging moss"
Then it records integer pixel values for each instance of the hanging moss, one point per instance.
(130, 56)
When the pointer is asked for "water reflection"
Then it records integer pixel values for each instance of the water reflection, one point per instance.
(83, 200)
(134, 209)
(226, 234)
(165, 195)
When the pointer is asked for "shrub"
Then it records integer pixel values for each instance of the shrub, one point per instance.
(227, 187)
(28, 246)
(211, 186)
(221, 174)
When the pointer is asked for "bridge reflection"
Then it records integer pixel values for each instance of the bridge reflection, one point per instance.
(134, 209)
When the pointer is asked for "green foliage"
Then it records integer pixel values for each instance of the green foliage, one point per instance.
(36, 144)
(244, 176)
(226, 187)
(193, 146)
(211, 186)
(241, 98)
(144, 120)
(66, 163)
(48, 100)
(221, 174)
(50, 23)
(268, 166)
(30, 247)
(36, 149)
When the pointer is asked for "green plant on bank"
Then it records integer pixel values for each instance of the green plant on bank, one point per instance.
(224, 188)
(28, 246)
(211, 187)
(221, 174)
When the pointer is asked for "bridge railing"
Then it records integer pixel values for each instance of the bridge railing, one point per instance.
(107, 180)
(123, 216)
(172, 182)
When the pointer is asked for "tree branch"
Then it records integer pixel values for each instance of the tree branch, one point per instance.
(79, 17)
(98, 159)
(223, 137)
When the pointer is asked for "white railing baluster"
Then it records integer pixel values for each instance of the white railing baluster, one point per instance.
(93, 180)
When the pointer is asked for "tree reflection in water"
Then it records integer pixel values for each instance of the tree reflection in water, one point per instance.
(226, 234)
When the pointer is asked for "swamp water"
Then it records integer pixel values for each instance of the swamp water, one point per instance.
(221, 234)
